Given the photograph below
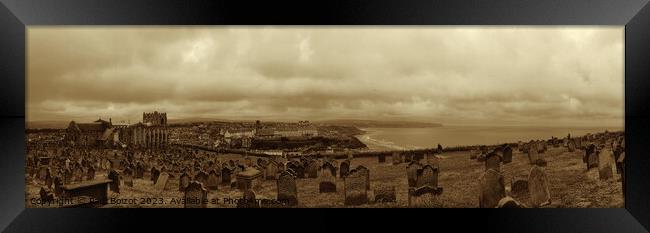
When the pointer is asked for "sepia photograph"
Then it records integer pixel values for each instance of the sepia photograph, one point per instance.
(324, 117)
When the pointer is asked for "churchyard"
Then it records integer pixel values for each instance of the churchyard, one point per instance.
(557, 176)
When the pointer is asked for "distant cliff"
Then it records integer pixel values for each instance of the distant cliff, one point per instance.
(380, 124)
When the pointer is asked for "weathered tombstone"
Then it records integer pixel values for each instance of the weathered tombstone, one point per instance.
(298, 168)
(519, 186)
(128, 176)
(183, 181)
(365, 172)
(509, 202)
(355, 188)
(161, 184)
(533, 155)
(271, 170)
(411, 173)
(427, 176)
(249, 178)
(90, 173)
(571, 146)
(507, 154)
(493, 161)
(46, 194)
(139, 170)
(593, 159)
(287, 190)
(226, 175)
(327, 179)
(344, 169)
(248, 200)
(538, 187)
(115, 184)
(196, 196)
(492, 189)
(605, 164)
(385, 194)
(213, 180)
(312, 169)
(154, 174)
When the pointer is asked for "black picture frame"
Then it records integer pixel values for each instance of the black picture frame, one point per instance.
(16, 15)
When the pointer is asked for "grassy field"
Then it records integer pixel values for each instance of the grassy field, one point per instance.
(571, 186)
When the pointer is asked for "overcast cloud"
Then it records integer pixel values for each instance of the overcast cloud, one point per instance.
(452, 75)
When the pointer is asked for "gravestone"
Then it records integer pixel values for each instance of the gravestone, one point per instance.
(271, 170)
(507, 154)
(90, 173)
(427, 176)
(248, 200)
(287, 190)
(128, 176)
(115, 184)
(538, 187)
(327, 179)
(226, 175)
(139, 170)
(364, 172)
(491, 188)
(213, 180)
(344, 169)
(161, 184)
(249, 178)
(605, 163)
(154, 174)
(312, 169)
(298, 168)
(593, 159)
(519, 186)
(196, 196)
(493, 161)
(571, 146)
(355, 188)
(183, 181)
(385, 194)
(411, 173)
(48, 180)
(381, 158)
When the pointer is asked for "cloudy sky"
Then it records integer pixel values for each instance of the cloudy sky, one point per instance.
(543, 76)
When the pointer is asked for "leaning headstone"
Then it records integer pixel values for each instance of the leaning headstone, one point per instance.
(196, 196)
(213, 180)
(605, 164)
(491, 188)
(161, 184)
(115, 184)
(355, 189)
(538, 187)
(183, 181)
(287, 190)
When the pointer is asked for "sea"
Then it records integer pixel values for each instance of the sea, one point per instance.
(416, 138)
